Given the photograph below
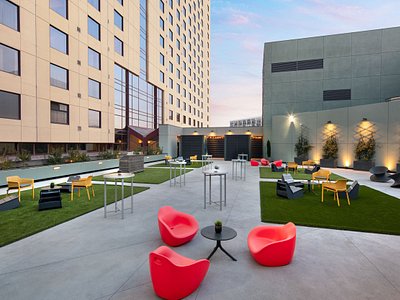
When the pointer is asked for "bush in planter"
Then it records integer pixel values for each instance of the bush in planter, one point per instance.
(330, 149)
(365, 148)
(5, 163)
(24, 156)
(55, 157)
(108, 154)
(302, 147)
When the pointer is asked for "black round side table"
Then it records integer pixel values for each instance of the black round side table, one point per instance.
(226, 234)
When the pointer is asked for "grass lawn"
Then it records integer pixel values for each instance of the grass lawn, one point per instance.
(163, 165)
(26, 220)
(265, 172)
(149, 175)
(372, 211)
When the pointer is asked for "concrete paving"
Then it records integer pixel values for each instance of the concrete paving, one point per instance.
(95, 258)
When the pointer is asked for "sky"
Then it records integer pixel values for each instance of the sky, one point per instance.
(239, 30)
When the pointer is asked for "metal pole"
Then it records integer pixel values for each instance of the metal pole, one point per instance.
(210, 189)
(132, 194)
(220, 192)
(205, 190)
(115, 194)
(105, 198)
(225, 188)
(122, 199)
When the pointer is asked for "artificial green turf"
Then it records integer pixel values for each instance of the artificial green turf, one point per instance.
(372, 211)
(192, 165)
(266, 172)
(26, 220)
(149, 175)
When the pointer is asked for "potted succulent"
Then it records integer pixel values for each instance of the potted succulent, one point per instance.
(365, 152)
(330, 152)
(302, 147)
(218, 226)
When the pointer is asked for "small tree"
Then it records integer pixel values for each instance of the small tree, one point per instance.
(302, 146)
(330, 149)
(365, 148)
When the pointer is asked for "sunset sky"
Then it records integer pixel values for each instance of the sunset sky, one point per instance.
(239, 30)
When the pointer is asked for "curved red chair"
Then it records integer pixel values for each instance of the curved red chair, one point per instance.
(175, 276)
(272, 246)
(278, 163)
(264, 162)
(176, 228)
(254, 163)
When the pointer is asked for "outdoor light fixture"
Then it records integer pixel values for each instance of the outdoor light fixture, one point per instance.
(229, 132)
(329, 122)
(195, 132)
(364, 119)
(291, 118)
(248, 132)
(212, 133)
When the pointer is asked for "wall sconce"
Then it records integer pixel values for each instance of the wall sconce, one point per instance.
(212, 133)
(248, 132)
(229, 132)
(195, 132)
(329, 122)
(291, 118)
(364, 119)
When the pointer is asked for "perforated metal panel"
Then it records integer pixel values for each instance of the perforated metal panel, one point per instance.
(334, 95)
(300, 65)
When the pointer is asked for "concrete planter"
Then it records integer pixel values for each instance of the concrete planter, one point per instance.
(328, 163)
(131, 163)
(363, 165)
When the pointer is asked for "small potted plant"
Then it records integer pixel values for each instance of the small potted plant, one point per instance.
(218, 226)
(302, 147)
(52, 185)
(364, 152)
(330, 152)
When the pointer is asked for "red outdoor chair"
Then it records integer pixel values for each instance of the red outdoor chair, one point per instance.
(175, 276)
(272, 246)
(254, 163)
(278, 163)
(264, 162)
(176, 228)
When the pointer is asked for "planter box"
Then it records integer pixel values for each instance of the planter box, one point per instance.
(328, 163)
(9, 202)
(299, 160)
(363, 165)
(131, 163)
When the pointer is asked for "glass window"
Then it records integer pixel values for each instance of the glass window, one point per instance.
(118, 46)
(58, 77)
(162, 5)
(171, 99)
(9, 14)
(171, 67)
(171, 19)
(58, 40)
(161, 41)
(59, 113)
(94, 58)
(60, 7)
(94, 118)
(94, 89)
(94, 28)
(118, 20)
(162, 59)
(9, 60)
(161, 23)
(171, 3)
(121, 2)
(95, 4)
(10, 105)
(162, 77)
(171, 35)
(171, 115)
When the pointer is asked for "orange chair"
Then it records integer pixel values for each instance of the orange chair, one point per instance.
(175, 276)
(336, 188)
(272, 246)
(264, 162)
(17, 183)
(292, 166)
(176, 228)
(254, 163)
(82, 183)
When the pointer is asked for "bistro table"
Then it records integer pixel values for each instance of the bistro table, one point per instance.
(174, 164)
(210, 174)
(235, 171)
(206, 161)
(116, 177)
(226, 234)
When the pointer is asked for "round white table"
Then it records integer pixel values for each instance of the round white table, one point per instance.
(210, 174)
(174, 164)
(116, 177)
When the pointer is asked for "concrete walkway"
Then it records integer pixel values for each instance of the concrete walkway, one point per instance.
(95, 258)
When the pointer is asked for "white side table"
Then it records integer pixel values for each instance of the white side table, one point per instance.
(175, 164)
(115, 177)
(210, 174)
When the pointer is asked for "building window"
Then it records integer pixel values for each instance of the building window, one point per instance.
(162, 5)
(162, 43)
(162, 59)
(334, 95)
(184, 119)
(60, 7)
(94, 118)
(171, 35)
(58, 77)
(121, 2)
(118, 46)
(10, 105)
(171, 67)
(171, 3)
(118, 20)
(94, 28)
(9, 14)
(162, 76)
(94, 89)
(94, 59)
(171, 115)
(59, 113)
(162, 23)
(171, 99)
(178, 117)
(95, 4)
(9, 60)
(171, 19)
(58, 40)
(171, 83)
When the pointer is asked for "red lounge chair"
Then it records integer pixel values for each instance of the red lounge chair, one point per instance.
(175, 276)
(254, 163)
(264, 162)
(272, 246)
(176, 228)
(278, 163)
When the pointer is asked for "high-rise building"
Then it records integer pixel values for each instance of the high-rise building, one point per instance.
(90, 74)
(249, 122)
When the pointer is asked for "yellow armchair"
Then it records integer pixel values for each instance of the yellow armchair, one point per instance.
(336, 187)
(17, 183)
(322, 174)
(193, 157)
(82, 183)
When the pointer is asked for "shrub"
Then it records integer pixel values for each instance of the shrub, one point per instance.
(302, 146)
(55, 157)
(24, 156)
(5, 163)
(330, 149)
(77, 156)
(365, 148)
(108, 154)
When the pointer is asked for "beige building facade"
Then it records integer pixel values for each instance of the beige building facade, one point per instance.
(59, 61)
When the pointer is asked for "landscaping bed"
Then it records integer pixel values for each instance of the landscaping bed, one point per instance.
(372, 211)
(27, 220)
(266, 172)
(163, 165)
